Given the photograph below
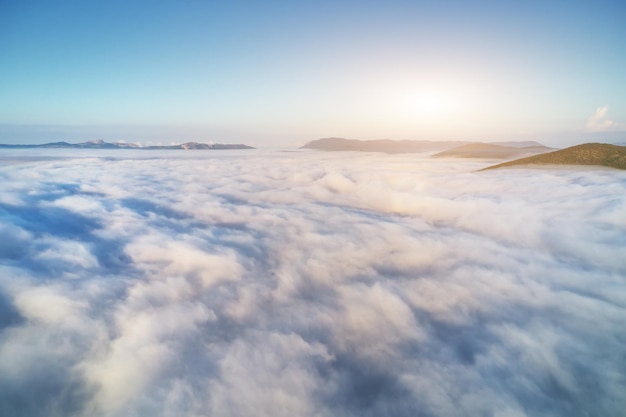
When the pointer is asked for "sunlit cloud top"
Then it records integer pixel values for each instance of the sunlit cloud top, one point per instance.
(271, 283)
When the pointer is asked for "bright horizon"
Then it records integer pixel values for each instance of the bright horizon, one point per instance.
(282, 74)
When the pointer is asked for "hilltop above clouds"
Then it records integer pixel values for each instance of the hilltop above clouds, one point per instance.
(588, 154)
(465, 148)
(100, 144)
(381, 145)
(488, 150)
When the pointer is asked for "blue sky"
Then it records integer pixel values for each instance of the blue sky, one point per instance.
(281, 73)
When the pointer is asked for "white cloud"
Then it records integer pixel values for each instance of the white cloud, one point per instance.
(268, 374)
(43, 303)
(75, 254)
(187, 284)
(600, 122)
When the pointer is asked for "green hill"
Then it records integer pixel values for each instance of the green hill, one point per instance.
(599, 154)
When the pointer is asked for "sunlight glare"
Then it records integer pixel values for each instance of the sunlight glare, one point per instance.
(427, 104)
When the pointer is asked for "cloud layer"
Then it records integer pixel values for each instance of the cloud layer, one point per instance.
(309, 284)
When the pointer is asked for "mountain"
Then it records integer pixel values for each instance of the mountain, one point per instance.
(518, 144)
(488, 150)
(381, 145)
(47, 145)
(599, 154)
(100, 144)
(409, 146)
(201, 146)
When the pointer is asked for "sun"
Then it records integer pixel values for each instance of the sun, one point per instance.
(427, 104)
(430, 105)
(424, 102)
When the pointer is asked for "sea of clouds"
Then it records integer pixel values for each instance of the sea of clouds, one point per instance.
(267, 283)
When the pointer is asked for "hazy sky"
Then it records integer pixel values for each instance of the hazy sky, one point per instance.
(284, 72)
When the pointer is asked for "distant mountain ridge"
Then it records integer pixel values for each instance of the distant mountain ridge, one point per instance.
(100, 144)
(403, 146)
(380, 145)
(598, 154)
(517, 144)
(490, 150)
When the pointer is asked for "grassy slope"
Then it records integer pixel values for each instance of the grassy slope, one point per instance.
(600, 154)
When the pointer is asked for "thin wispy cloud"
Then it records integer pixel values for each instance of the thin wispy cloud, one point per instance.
(309, 284)
(600, 121)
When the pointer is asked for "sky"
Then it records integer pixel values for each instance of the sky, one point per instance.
(280, 73)
(315, 284)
